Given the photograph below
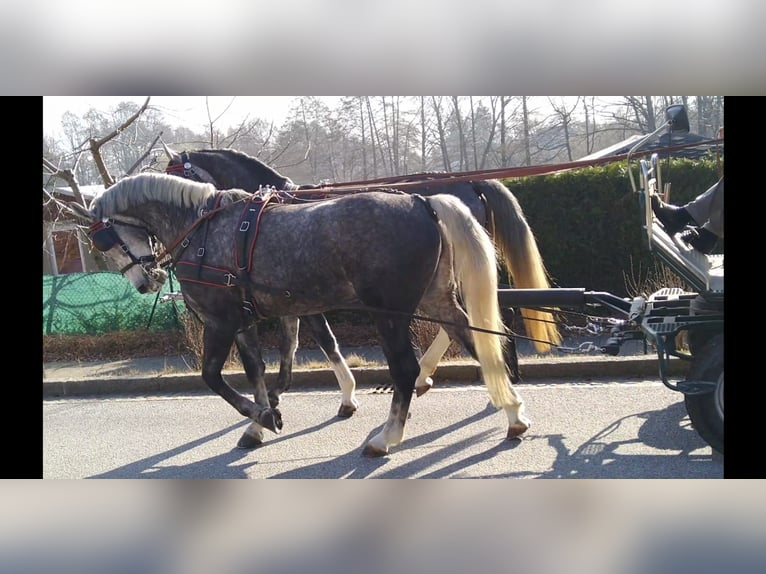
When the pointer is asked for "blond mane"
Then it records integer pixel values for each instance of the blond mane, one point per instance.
(136, 190)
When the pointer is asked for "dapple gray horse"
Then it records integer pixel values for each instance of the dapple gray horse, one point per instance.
(239, 259)
(491, 203)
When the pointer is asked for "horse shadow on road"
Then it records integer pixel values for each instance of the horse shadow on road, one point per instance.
(601, 456)
(223, 466)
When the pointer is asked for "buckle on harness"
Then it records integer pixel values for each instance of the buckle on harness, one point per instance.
(201, 252)
(244, 226)
(229, 279)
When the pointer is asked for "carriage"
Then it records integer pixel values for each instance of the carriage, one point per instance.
(416, 248)
(688, 325)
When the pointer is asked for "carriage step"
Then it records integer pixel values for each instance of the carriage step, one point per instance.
(695, 387)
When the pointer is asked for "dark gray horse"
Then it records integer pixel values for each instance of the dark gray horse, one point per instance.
(239, 260)
(491, 203)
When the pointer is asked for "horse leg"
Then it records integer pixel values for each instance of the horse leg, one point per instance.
(439, 346)
(324, 337)
(430, 360)
(403, 367)
(509, 350)
(494, 365)
(255, 369)
(512, 359)
(511, 403)
(217, 341)
(434, 353)
(288, 344)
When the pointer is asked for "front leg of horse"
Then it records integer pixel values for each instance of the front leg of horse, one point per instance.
(217, 344)
(320, 331)
(255, 369)
(288, 344)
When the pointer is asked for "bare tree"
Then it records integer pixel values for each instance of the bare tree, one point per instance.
(462, 151)
(364, 138)
(525, 125)
(95, 146)
(564, 113)
(422, 133)
(440, 128)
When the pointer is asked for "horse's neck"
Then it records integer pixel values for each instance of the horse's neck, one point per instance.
(264, 175)
(254, 173)
(172, 224)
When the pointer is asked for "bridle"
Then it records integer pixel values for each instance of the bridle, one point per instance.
(189, 171)
(104, 237)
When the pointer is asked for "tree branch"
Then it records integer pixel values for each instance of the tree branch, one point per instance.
(146, 153)
(95, 145)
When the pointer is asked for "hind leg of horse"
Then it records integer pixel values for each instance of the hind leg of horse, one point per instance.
(439, 346)
(324, 337)
(288, 344)
(430, 360)
(512, 360)
(255, 369)
(510, 350)
(494, 372)
(404, 369)
(217, 341)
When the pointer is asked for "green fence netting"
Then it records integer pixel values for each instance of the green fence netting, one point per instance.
(100, 303)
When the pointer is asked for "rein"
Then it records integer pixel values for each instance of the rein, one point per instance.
(421, 180)
(183, 239)
(426, 180)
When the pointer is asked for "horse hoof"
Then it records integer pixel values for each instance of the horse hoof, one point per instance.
(515, 430)
(425, 387)
(271, 419)
(250, 439)
(373, 452)
(273, 401)
(346, 411)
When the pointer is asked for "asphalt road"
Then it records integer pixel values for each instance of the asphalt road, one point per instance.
(631, 428)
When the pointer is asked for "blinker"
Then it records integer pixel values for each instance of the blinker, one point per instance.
(103, 236)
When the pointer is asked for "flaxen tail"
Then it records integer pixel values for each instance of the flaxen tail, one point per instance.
(475, 268)
(517, 249)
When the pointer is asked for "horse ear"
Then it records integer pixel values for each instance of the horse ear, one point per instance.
(170, 153)
(79, 212)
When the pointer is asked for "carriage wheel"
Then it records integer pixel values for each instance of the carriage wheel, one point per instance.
(706, 410)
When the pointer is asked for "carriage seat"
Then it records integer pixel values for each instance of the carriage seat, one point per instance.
(703, 272)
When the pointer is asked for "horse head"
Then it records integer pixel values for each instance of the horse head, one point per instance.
(226, 169)
(127, 243)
